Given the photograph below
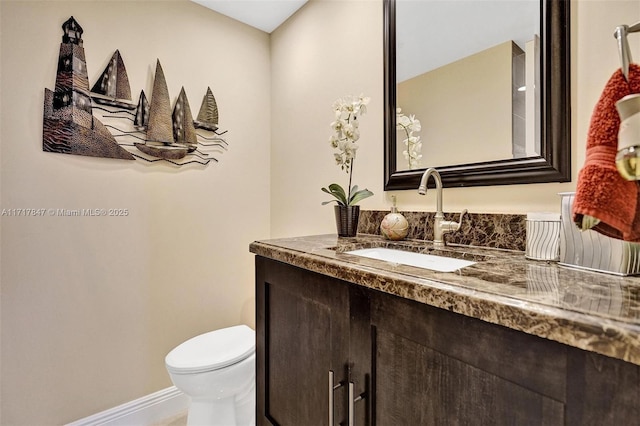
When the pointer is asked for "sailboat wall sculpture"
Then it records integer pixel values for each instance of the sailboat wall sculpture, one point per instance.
(160, 127)
(208, 114)
(112, 88)
(184, 132)
(160, 141)
(142, 113)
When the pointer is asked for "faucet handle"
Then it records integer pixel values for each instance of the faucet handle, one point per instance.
(451, 226)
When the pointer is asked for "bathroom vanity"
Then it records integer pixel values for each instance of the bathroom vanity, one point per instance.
(343, 339)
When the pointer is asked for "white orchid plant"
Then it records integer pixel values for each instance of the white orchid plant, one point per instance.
(345, 138)
(410, 124)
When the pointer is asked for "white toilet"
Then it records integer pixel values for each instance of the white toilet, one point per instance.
(217, 371)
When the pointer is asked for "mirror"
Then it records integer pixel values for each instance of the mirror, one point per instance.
(535, 150)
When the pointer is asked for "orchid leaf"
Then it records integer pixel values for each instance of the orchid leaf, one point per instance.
(359, 196)
(336, 191)
(355, 195)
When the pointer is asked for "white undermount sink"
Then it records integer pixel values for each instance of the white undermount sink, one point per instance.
(420, 260)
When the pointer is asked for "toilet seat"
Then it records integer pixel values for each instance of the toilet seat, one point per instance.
(212, 351)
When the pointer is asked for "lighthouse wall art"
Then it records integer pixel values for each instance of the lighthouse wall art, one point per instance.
(105, 122)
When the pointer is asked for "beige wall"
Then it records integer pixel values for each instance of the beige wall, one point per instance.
(90, 306)
(465, 97)
(329, 49)
(333, 48)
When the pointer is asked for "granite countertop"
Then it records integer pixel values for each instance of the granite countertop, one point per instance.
(588, 310)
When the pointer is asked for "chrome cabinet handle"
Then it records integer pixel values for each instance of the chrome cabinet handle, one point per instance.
(352, 403)
(332, 388)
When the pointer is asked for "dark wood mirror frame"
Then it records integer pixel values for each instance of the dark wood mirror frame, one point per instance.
(554, 163)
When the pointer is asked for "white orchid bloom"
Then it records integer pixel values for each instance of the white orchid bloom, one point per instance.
(333, 141)
(410, 124)
(337, 125)
(415, 124)
(351, 132)
(403, 121)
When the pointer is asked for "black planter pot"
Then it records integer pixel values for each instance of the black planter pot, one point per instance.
(347, 220)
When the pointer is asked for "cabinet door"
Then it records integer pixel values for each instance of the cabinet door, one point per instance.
(434, 367)
(302, 325)
(602, 390)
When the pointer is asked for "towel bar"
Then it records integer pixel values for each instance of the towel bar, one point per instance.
(623, 46)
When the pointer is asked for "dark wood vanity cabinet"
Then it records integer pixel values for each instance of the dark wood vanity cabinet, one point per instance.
(407, 363)
(302, 334)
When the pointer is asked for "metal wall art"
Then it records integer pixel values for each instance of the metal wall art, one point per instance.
(104, 122)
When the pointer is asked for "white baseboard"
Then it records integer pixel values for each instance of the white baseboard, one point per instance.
(145, 411)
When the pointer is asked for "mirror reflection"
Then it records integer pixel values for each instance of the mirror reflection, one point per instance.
(478, 89)
(466, 68)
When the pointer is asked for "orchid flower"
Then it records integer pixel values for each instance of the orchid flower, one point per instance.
(410, 124)
(346, 134)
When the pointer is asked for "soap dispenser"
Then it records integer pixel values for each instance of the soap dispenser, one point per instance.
(394, 226)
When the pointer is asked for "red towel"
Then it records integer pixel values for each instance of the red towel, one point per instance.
(601, 191)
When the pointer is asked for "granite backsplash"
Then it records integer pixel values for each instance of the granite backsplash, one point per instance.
(503, 231)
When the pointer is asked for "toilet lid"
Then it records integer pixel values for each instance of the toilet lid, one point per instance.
(211, 351)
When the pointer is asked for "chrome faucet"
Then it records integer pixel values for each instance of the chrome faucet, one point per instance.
(440, 226)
